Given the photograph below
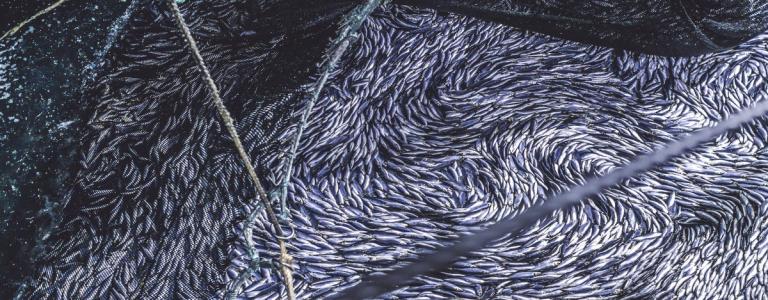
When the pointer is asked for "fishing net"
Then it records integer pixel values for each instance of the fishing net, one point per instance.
(433, 125)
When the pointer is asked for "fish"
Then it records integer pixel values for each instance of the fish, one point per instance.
(383, 172)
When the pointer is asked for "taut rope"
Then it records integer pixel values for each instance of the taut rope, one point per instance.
(285, 258)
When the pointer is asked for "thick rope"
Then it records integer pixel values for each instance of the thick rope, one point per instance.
(32, 18)
(346, 36)
(285, 258)
(443, 258)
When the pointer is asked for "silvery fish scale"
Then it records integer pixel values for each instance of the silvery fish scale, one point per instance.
(435, 126)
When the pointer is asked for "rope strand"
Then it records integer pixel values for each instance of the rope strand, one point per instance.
(46, 10)
(339, 46)
(285, 258)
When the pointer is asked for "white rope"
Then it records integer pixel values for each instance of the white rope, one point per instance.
(285, 258)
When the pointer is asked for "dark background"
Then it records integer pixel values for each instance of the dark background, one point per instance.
(41, 112)
(14, 11)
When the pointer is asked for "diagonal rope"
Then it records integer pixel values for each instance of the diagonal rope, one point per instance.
(46, 10)
(443, 258)
(285, 258)
(346, 36)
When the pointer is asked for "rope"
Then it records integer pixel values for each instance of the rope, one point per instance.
(32, 18)
(285, 258)
(340, 44)
(445, 256)
(346, 36)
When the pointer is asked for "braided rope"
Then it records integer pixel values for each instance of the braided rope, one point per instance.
(444, 257)
(285, 258)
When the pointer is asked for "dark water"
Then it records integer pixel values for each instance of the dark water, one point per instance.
(41, 112)
(14, 11)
